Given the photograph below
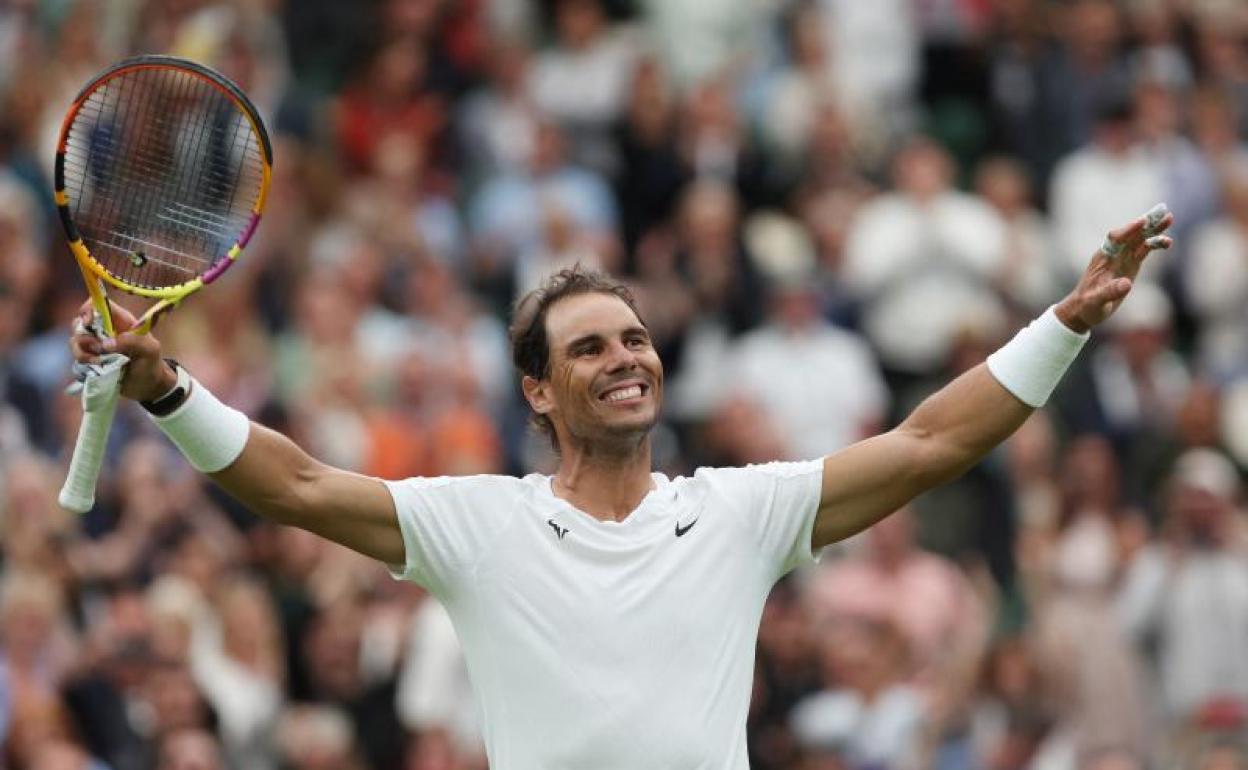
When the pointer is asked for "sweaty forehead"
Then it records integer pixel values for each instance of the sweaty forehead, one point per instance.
(584, 314)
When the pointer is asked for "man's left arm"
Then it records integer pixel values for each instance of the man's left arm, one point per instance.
(955, 427)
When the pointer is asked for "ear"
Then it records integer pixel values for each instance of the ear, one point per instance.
(537, 393)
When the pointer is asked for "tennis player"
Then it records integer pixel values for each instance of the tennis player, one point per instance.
(608, 613)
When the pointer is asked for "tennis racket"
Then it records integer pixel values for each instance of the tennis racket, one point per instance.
(162, 170)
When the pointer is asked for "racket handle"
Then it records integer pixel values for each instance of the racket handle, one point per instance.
(78, 492)
(99, 400)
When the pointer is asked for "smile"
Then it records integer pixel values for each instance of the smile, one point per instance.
(624, 392)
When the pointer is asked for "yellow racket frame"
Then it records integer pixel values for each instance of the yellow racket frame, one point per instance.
(94, 274)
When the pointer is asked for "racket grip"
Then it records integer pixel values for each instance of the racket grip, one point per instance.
(78, 492)
(99, 399)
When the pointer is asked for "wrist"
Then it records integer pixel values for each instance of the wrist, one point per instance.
(1069, 316)
(174, 383)
(1031, 365)
(209, 433)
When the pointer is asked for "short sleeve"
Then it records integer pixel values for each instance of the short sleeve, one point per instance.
(447, 523)
(777, 503)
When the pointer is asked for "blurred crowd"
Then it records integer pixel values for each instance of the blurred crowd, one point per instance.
(827, 209)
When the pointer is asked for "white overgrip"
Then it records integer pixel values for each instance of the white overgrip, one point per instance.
(100, 391)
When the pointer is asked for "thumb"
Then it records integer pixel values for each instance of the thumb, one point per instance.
(1112, 291)
(133, 346)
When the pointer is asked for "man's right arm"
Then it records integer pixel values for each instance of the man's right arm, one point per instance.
(271, 475)
(276, 479)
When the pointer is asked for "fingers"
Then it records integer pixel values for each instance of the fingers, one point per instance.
(85, 346)
(1155, 217)
(86, 341)
(1112, 291)
(1116, 241)
(134, 346)
(1158, 243)
(1143, 231)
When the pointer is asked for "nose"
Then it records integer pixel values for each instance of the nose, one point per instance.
(621, 357)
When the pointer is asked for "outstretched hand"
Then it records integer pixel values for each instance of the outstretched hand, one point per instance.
(1112, 271)
(147, 376)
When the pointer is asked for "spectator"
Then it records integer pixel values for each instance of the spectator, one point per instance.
(1190, 589)
(505, 214)
(837, 391)
(582, 81)
(190, 750)
(1216, 279)
(866, 712)
(1130, 388)
(926, 598)
(1031, 275)
(923, 260)
(1094, 675)
(1109, 179)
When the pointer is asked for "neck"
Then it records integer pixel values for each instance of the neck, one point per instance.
(606, 483)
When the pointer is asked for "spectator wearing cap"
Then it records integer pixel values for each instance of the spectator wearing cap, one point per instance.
(1189, 593)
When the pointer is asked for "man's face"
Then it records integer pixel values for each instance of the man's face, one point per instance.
(606, 381)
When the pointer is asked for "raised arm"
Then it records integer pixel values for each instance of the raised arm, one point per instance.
(272, 476)
(955, 427)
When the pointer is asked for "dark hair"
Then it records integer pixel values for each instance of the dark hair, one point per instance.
(530, 348)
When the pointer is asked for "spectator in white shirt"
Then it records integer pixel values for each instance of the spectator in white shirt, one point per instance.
(807, 373)
(1110, 179)
(923, 259)
(1189, 591)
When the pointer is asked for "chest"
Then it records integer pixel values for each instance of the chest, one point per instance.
(659, 587)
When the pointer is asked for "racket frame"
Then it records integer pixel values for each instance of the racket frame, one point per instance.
(94, 274)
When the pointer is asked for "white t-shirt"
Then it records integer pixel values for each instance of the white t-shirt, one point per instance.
(610, 645)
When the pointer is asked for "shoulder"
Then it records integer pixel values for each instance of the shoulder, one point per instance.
(483, 488)
(738, 478)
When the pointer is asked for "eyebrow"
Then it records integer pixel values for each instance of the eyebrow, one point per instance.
(596, 337)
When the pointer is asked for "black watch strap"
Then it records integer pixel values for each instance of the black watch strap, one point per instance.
(173, 399)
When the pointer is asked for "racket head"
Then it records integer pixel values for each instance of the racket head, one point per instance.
(162, 172)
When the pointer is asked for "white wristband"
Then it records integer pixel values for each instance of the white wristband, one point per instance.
(1031, 364)
(210, 434)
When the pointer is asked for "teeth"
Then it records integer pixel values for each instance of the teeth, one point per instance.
(623, 394)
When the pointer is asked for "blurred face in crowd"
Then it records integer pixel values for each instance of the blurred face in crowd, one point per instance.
(1201, 514)
(189, 750)
(1092, 29)
(1004, 184)
(579, 22)
(606, 381)
(1090, 475)
(1158, 112)
(923, 169)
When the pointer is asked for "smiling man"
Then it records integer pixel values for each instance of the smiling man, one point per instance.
(608, 613)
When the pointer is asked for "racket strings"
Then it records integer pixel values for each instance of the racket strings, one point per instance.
(163, 171)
